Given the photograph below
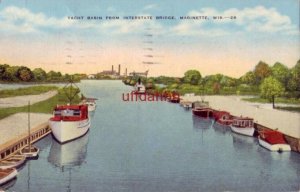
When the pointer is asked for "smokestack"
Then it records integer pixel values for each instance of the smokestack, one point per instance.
(112, 68)
(119, 71)
(126, 72)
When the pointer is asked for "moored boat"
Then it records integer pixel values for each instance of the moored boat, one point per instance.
(204, 112)
(223, 118)
(13, 161)
(69, 122)
(30, 151)
(243, 126)
(186, 104)
(139, 88)
(273, 140)
(7, 175)
(91, 103)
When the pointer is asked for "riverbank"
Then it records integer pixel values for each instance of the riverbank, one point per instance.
(20, 101)
(33, 90)
(41, 106)
(286, 122)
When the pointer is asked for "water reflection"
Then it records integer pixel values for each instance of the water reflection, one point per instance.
(241, 142)
(221, 129)
(200, 123)
(69, 154)
(8, 184)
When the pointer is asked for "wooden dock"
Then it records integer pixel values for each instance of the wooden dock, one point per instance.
(11, 143)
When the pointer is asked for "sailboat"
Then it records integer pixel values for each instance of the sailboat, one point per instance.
(29, 151)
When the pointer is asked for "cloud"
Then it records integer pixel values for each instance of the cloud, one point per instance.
(22, 20)
(256, 19)
(253, 19)
(150, 6)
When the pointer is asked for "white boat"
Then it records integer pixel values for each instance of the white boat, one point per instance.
(139, 88)
(243, 126)
(7, 175)
(186, 104)
(273, 141)
(30, 151)
(69, 122)
(91, 103)
(13, 161)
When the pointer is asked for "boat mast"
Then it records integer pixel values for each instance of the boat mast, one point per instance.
(29, 139)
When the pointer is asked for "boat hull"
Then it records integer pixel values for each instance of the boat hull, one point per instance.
(64, 131)
(9, 177)
(12, 163)
(203, 114)
(91, 108)
(32, 154)
(249, 131)
(274, 147)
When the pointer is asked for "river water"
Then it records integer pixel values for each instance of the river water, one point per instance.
(154, 146)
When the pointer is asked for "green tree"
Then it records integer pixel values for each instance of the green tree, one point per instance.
(271, 88)
(192, 77)
(248, 78)
(39, 74)
(281, 73)
(293, 84)
(2, 70)
(261, 71)
(10, 74)
(54, 76)
(24, 74)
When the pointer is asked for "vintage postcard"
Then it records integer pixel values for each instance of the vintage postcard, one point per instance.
(149, 96)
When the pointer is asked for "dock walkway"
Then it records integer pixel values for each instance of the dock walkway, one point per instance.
(14, 131)
(286, 122)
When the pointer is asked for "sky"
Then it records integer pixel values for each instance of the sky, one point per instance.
(42, 34)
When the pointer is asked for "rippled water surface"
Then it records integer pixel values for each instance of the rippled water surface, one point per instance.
(154, 146)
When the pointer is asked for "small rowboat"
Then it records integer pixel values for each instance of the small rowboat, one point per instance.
(7, 175)
(13, 161)
(30, 152)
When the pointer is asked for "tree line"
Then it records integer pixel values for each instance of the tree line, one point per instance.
(268, 81)
(12, 74)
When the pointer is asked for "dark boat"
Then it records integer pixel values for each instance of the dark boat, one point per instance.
(205, 112)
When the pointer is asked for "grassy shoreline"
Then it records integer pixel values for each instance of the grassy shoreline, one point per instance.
(34, 90)
(277, 100)
(40, 107)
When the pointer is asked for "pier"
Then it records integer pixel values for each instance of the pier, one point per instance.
(286, 122)
(14, 132)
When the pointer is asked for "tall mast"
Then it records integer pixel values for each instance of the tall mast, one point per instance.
(29, 140)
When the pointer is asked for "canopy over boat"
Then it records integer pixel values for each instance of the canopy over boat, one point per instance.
(272, 137)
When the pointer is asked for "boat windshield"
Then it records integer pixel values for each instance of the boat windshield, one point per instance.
(68, 112)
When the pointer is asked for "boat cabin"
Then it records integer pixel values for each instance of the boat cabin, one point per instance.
(243, 122)
(222, 115)
(70, 113)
